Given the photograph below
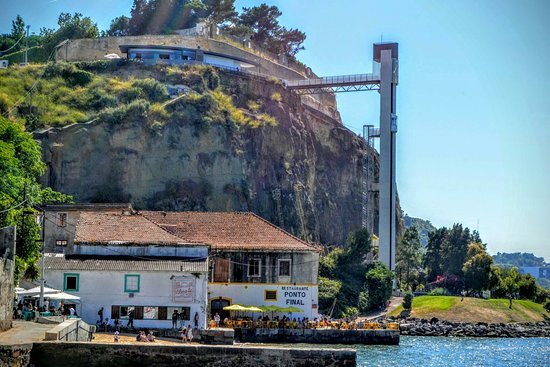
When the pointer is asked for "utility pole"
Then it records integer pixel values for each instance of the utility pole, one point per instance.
(27, 45)
(43, 240)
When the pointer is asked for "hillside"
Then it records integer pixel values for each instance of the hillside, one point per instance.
(518, 259)
(423, 226)
(229, 142)
(474, 310)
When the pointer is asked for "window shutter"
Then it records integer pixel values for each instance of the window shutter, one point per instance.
(221, 270)
(114, 312)
(163, 313)
(139, 313)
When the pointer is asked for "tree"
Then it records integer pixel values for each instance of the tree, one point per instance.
(70, 27)
(290, 41)
(408, 257)
(455, 248)
(263, 21)
(378, 284)
(120, 26)
(136, 22)
(433, 256)
(407, 301)
(510, 284)
(20, 169)
(477, 268)
(219, 11)
(17, 28)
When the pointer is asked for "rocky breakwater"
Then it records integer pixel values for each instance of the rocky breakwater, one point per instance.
(436, 327)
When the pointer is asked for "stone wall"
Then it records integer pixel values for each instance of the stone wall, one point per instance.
(46, 354)
(318, 336)
(7, 265)
(15, 355)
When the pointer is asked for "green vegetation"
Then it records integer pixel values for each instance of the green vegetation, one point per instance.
(20, 168)
(407, 301)
(349, 283)
(68, 93)
(474, 309)
(424, 227)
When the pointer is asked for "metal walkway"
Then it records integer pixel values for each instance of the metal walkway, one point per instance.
(334, 84)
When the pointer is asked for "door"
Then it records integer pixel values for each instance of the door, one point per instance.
(217, 305)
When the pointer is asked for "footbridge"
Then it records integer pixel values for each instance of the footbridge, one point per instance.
(334, 84)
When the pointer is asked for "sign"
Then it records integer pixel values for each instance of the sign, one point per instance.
(295, 296)
(183, 289)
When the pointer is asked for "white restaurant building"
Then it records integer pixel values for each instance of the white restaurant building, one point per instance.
(193, 261)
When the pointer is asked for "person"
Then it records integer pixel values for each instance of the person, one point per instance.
(175, 317)
(143, 337)
(117, 336)
(151, 337)
(196, 320)
(183, 335)
(189, 333)
(116, 324)
(182, 318)
(217, 319)
(100, 314)
(130, 318)
(72, 311)
(46, 305)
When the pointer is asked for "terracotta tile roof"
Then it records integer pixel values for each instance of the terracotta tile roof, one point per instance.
(118, 228)
(228, 231)
(60, 262)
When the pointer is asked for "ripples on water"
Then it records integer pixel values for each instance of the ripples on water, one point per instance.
(447, 351)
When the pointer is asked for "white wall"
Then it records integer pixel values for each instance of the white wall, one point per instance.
(300, 296)
(105, 288)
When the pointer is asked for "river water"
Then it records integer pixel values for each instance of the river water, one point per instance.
(420, 351)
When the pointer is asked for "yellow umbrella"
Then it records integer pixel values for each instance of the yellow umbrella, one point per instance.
(254, 309)
(235, 307)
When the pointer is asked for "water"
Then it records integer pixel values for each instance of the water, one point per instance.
(420, 351)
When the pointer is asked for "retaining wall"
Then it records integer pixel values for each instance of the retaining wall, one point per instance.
(318, 336)
(46, 354)
(71, 330)
(7, 265)
(15, 355)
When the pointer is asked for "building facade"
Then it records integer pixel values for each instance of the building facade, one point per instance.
(143, 260)
(124, 263)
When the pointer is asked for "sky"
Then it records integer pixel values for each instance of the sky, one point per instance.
(473, 103)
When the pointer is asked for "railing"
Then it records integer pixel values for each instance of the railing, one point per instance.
(333, 81)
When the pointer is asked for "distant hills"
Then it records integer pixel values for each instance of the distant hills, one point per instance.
(518, 259)
(423, 226)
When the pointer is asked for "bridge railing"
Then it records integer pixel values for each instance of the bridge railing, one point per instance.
(334, 80)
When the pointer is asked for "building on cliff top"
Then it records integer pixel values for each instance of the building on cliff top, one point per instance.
(155, 262)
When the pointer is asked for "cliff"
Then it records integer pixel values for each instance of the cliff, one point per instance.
(301, 171)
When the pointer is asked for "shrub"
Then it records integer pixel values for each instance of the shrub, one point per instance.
(350, 312)
(407, 301)
(276, 96)
(152, 89)
(134, 110)
(99, 99)
(70, 72)
(547, 305)
(438, 292)
(4, 103)
(129, 95)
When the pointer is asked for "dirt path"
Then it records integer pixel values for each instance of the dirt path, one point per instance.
(394, 302)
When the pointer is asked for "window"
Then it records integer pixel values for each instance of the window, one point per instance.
(186, 311)
(254, 267)
(131, 283)
(270, 295)
(61, 242)
(221, 270)
(70, 282)
(164, 56)
(62, 219)
(150, 312)
(284, 268)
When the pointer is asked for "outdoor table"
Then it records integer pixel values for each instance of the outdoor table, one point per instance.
(46, 313)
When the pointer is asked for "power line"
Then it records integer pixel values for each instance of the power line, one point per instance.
(13, 45)
(13, 207)
(7, 113)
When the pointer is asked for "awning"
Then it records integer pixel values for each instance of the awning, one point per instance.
(36, 290)
(61, 295)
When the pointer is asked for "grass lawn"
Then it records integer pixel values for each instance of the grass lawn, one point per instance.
(474, 309)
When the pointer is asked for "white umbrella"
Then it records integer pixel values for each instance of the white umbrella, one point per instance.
(111, 56)
(36, 290)
(61, 295)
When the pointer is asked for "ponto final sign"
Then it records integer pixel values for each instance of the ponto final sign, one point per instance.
(296, 295)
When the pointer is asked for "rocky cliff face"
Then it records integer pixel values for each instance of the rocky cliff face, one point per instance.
(304, 174)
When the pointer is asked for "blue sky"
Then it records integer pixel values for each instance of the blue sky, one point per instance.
(473, 99)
